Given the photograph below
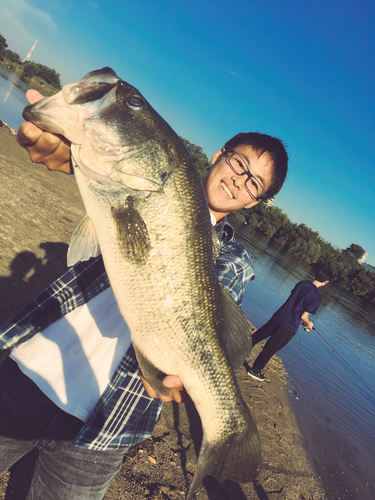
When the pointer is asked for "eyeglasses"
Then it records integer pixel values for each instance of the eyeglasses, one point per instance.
(241, 167)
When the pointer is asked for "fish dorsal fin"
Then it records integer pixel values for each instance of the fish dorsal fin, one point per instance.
(237, 336)
(132, 232)
(84, 243)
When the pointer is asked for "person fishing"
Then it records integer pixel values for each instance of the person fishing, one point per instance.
(82, 416)
(304, 299)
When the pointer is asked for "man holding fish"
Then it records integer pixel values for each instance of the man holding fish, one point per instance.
(71, 385)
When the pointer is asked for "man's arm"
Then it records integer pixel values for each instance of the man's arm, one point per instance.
(43, 147)
(305, 320)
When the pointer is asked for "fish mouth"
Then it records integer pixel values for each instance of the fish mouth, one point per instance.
(26, 114)
(226, 190)
(44, 124)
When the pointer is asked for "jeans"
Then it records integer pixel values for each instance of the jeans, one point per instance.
(29, 419)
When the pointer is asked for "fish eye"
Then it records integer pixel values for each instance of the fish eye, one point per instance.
(135, 103)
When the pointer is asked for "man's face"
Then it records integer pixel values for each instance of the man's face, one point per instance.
(225, 190)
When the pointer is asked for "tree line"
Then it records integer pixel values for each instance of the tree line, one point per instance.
(308, 245)
(301, 240)
(29, 69)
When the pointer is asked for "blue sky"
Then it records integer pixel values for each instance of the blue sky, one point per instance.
(301, 70)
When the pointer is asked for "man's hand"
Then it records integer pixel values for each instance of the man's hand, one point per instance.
(308, 324)
(305, 321)
(178, 394)
(44, 147)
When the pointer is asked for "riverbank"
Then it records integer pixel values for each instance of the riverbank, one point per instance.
(38, 212)
(34, 82)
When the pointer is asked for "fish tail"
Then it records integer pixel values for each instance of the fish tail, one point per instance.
(238, 457)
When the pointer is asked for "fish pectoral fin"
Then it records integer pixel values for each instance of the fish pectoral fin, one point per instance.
(133, 237)
(152, 374)
(237, 337)
(238, 457)
(84, 243)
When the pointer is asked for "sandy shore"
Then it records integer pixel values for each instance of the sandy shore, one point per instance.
(38, 213)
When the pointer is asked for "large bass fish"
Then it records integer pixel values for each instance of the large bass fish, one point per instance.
(148, 216)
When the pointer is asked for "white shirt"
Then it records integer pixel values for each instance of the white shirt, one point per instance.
(73, 360)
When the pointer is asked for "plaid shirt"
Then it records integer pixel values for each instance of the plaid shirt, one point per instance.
(124, 414)
(234, 265)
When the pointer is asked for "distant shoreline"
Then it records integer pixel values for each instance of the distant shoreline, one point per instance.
(36, 83)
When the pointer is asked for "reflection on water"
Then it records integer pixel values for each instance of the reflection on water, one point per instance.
(12, 98)
(335, 410)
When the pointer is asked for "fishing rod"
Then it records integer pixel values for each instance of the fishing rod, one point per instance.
(338, 354)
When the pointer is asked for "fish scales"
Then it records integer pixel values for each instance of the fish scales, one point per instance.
(148, 211)
(132, 283)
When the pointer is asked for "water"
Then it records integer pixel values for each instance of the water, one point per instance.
(334, 408)
(12, 98)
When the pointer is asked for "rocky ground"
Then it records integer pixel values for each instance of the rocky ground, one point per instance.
(38, 213)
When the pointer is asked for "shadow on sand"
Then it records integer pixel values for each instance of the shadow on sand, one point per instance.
(29, 276)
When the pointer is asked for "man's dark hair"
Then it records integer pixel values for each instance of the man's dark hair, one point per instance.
(323, 274)
(263, 143)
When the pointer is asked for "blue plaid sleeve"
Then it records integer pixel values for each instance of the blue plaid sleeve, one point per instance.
(234, 268)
